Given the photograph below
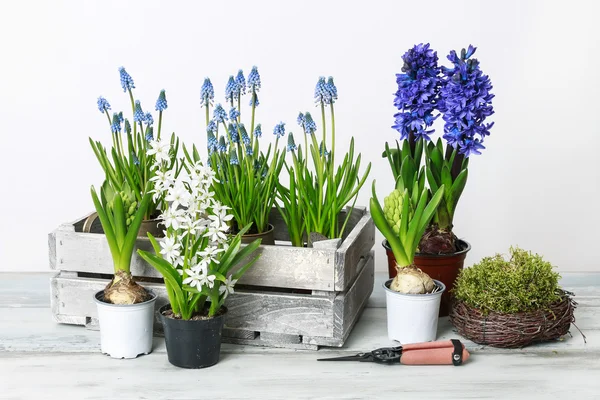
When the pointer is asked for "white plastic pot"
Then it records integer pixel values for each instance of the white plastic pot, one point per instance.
(125, 330)
(412, 318)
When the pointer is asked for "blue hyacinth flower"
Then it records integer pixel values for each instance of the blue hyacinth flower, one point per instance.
(233, 158)
(222, 146)
(232, 90)
(219, 114)
(258, 130)
(332, 89)
(309, 124)
(291, 144)
(127, 126)
(103, 104)
(126, 80)
(212, 142)
(149, 134)
(241, 81)
(279, 130)
(254, 80)
(233, 114)
(322, 92)
(161, 102)
(115, 126)
(149, 119)
(207, 93)
(212, 126)
(138, 114)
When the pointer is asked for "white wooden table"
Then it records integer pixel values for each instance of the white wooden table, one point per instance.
(40, 359)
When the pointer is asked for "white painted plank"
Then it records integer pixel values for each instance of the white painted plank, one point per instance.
(297, 375)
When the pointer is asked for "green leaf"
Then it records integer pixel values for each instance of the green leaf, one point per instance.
(171, 276)
(456, 190)
(383, 226)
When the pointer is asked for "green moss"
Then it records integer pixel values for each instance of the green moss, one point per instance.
(523, 283)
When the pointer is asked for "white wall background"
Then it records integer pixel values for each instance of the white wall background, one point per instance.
(537, 184)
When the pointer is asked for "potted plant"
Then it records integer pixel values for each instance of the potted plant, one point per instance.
(247, 177)
(412, 297)
(128, 163)
(315, 197)
(125, 309)
(511, 302)
(461, 94)
(200, 263)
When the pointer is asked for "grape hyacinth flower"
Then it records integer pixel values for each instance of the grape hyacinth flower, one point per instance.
(245, 137)
(103, 105)
(148, 118)
(249, 151)
(233, 132)
(322, 93)
(121, 116)
(150, 134)
(136, 160)
(254, 100)
(138, 114)
(279, 130)
(212, 126)
(219, 114)
(161, 102)
(258, 131)
(332, 89)
(115, 127)
(418, 89)
(323, 150)
(127, 126)
(466, 101)
(309, 124)
(241, 81)
(126, 80)
(207, 93)
(232, 90)
(212, 142)
(291, 145)
(233, 114)
(254, 80)
(301, 121)
(233, 158)
(222, 146)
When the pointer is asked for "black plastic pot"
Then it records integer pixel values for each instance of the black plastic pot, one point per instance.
(192, 344)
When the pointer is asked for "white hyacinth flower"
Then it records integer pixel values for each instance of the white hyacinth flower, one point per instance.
(160, 150)
(170, 248)
(226, 287)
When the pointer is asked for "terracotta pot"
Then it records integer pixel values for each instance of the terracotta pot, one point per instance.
(268, 236)
(441, 267)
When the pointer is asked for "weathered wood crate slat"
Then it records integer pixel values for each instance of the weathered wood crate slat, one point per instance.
(329, 266)
(256, 317)
(292, 297)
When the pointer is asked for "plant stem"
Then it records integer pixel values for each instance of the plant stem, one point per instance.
(159, 125)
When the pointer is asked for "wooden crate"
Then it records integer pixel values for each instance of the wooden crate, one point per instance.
(292, 297)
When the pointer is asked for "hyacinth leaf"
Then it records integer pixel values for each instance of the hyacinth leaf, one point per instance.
(446, 176)
(430, 210)
(172, 277)
(408, 171)
(415, 224)
(431, 179)
(106, 225)
(134, 228)
(405, 216)
(120, 225)
(435, 155)
(418, 151)
(456, 191)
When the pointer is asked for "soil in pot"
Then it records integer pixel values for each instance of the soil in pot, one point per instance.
(194, 343)
(442, 267)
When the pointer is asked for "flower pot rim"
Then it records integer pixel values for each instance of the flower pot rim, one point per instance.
(456, 253)
(386, 286)
(271, 228)
(99, 296)
(168, 307)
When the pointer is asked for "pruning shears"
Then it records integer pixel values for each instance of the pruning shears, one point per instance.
(445, 352)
